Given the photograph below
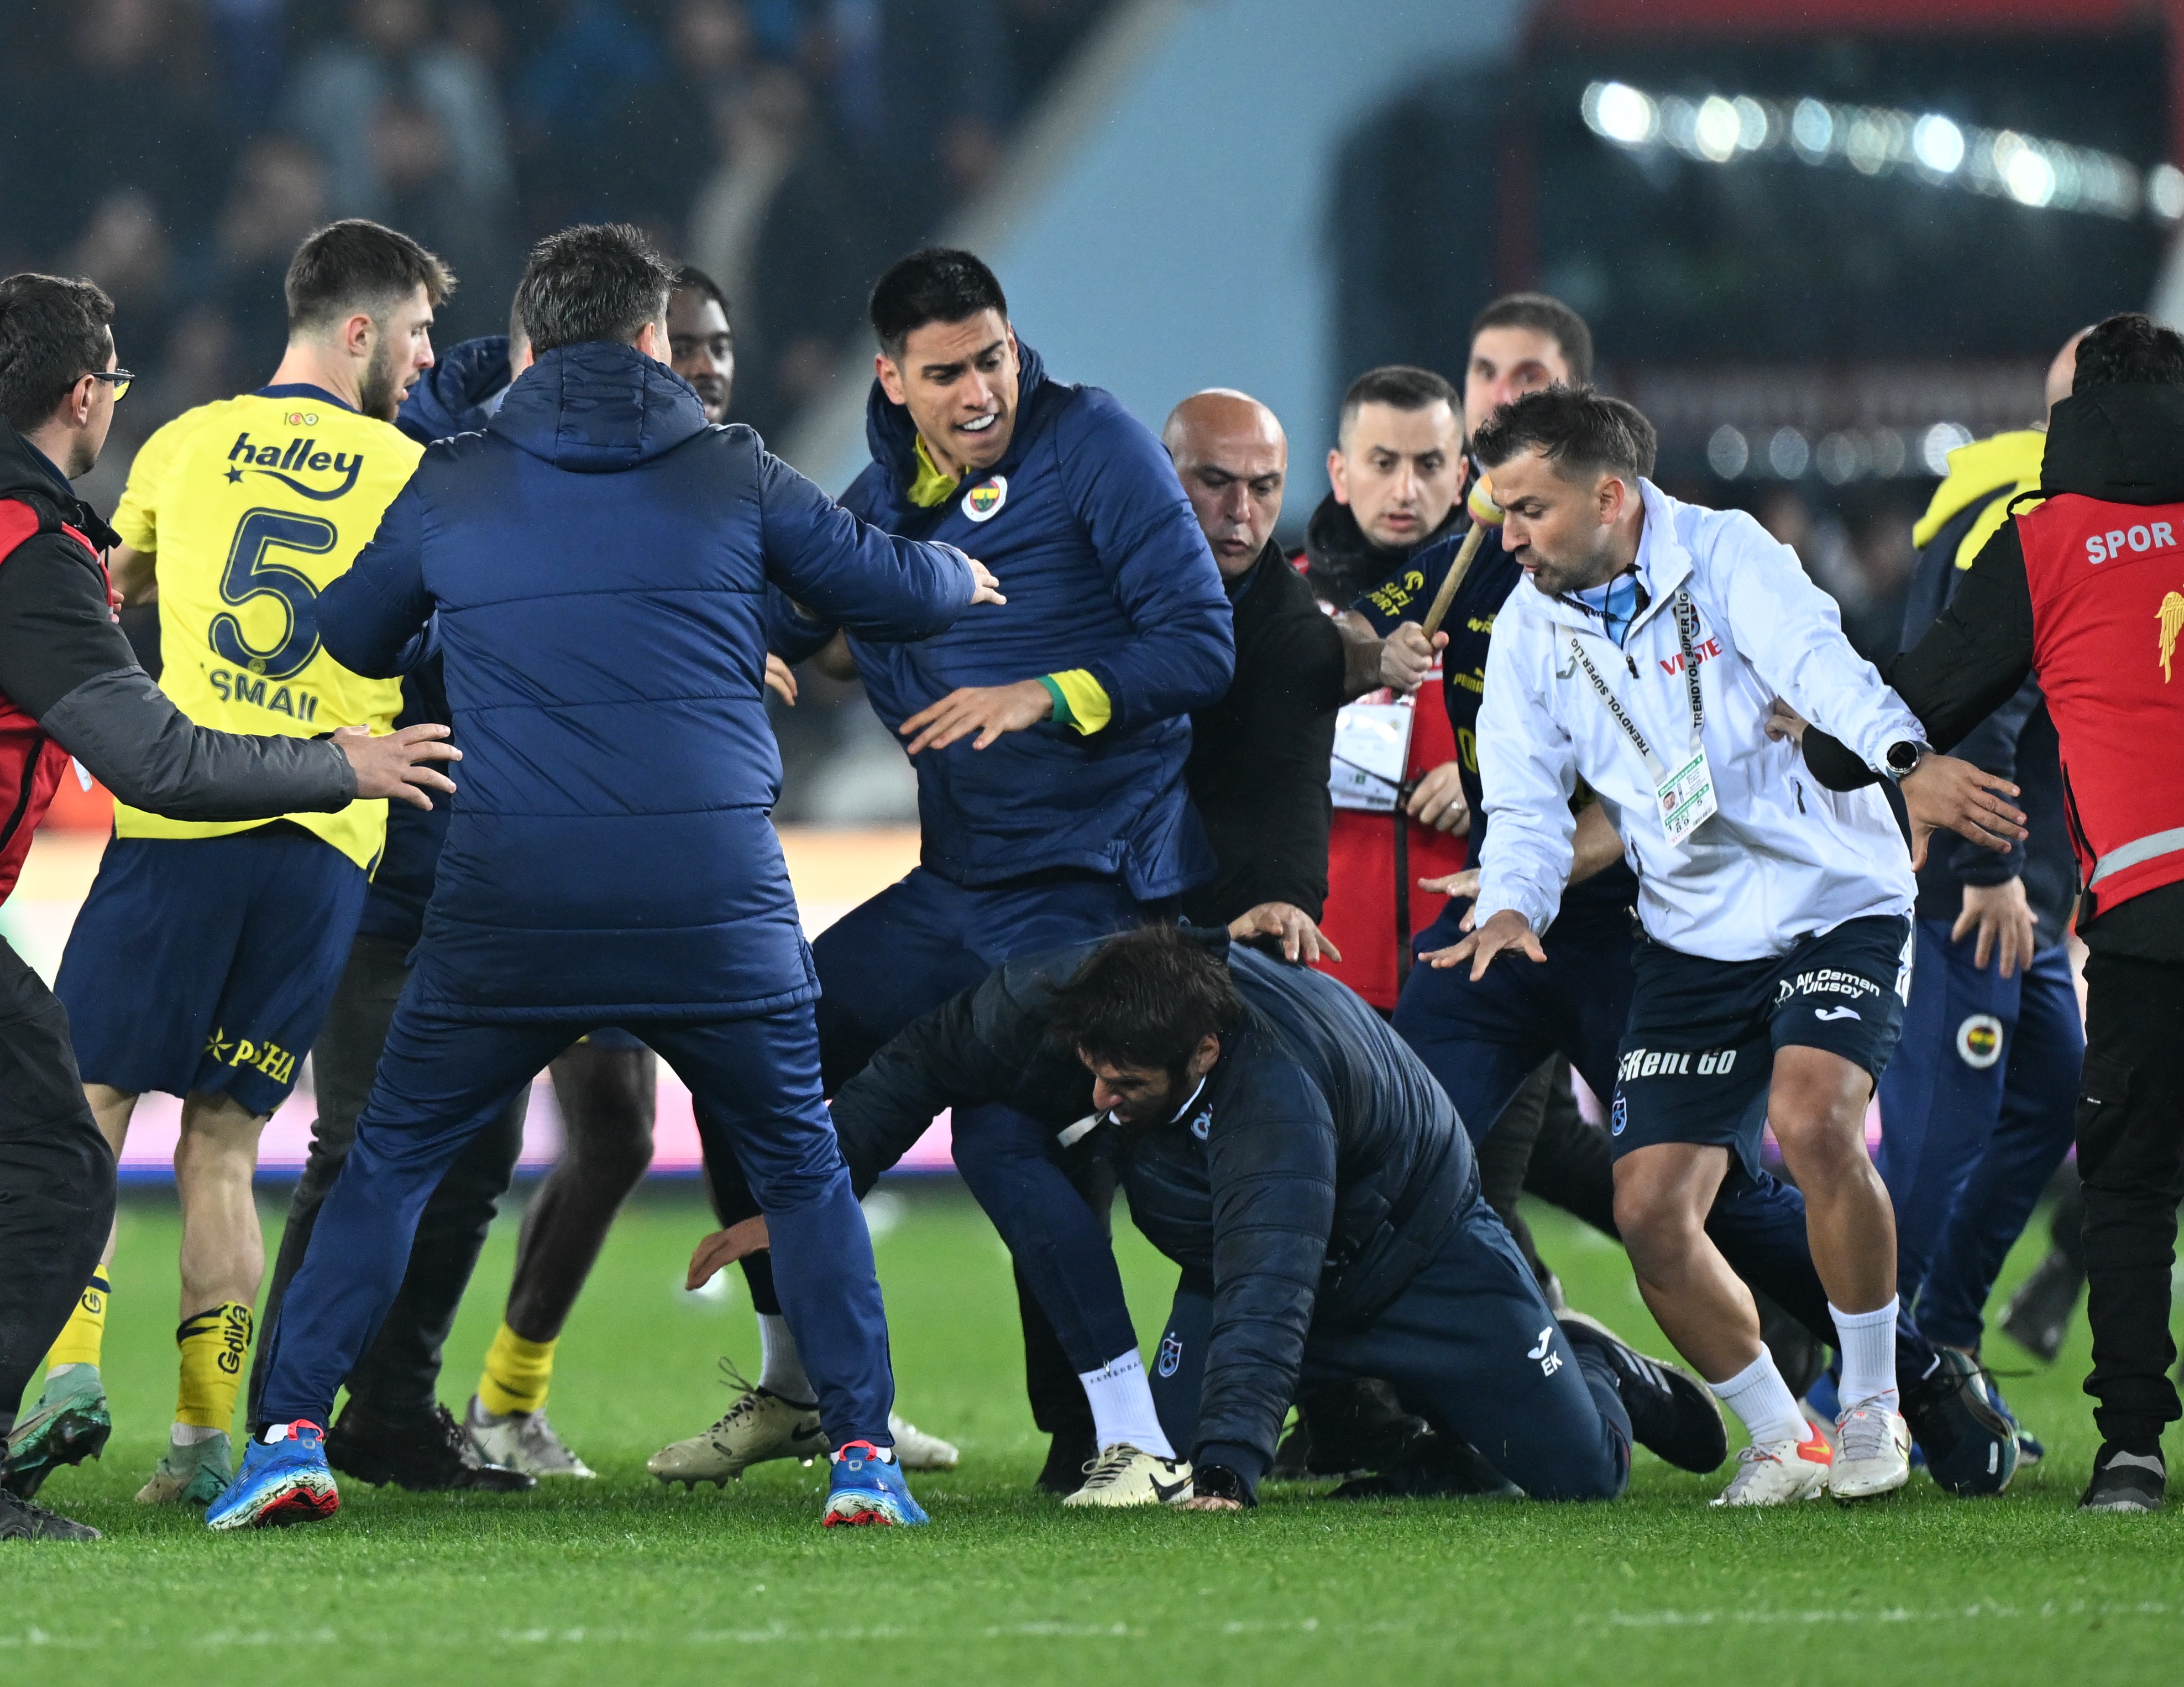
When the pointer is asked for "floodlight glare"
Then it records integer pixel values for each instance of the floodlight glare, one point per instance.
(1938, 142)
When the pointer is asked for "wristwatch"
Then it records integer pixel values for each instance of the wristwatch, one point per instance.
(1218, 1481)
(1904, 758)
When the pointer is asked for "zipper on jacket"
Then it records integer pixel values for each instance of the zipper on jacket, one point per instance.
(29, 780)
(1798, 786)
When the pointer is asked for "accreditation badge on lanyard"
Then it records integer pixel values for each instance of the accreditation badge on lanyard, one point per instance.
(1685, 791)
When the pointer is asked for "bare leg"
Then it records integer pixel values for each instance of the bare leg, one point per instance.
(1817, 1106)
(223, 1250)
(1663, 1193)
(111, 1107)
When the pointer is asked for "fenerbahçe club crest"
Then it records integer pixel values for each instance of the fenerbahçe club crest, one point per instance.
(983, 501)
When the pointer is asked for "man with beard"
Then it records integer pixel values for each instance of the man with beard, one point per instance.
(206, 954)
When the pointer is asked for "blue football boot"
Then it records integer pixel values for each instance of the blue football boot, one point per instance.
(282, 1481)
(867, 1488)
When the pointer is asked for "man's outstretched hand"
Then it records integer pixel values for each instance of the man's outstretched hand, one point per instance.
(985, 589)
(1507, 929)
(989, 711)
(726, 1247)
(398, 764)
(1945, 791)
(1301, 939)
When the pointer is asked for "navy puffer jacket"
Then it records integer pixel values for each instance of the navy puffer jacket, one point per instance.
(1106, 570)
(1317, 1173)
(598, 559)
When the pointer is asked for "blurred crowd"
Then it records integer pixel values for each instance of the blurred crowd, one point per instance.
(177, 150)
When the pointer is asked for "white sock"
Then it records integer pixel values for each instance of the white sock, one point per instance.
(1867, 1341)
(780, 1371)
(189, 1434)
(1122, 1406)
(1763, 1402)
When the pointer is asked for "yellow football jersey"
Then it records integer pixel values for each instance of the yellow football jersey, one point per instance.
(253, 506)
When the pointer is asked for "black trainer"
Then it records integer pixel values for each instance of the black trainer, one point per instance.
(1357, 1424)
(1071, 1454)
(1436, 1465)
(2125, 1482)
(1970, 1448)
(20, 1520)
(426, 1454)
(1672, 1415)
(2039, 1313)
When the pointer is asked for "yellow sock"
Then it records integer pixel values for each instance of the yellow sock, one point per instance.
(83, 1335)
(214, 1345)
(516, 1373)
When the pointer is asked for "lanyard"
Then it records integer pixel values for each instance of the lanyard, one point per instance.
(1687, 620)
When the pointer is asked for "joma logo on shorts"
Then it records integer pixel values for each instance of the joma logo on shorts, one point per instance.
(1667, 1062)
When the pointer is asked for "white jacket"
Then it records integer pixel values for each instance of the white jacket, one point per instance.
(1783, 858)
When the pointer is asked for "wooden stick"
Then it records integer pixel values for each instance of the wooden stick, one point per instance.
(1454, 577)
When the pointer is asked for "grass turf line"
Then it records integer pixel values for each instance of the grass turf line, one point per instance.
(624, 1576)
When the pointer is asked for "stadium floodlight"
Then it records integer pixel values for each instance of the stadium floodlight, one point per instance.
(1875, 141)
(1787, 453)
(1942, 439)
(1727, 452)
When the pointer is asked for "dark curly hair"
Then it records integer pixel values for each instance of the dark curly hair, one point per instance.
(1145, 998)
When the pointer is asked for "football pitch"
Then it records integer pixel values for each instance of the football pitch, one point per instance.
(620, 1579)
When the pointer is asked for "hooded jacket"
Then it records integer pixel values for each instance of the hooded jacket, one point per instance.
(1315, 1173)
(1106, 570)
(2118, 444)
(451, 398)
(70, 685)
(597, 560)
(1780, 859)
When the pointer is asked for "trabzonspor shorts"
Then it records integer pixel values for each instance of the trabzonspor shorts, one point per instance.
(1696, 1060)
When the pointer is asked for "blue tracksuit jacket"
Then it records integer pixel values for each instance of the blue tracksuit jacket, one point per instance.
(1105, 569)
(598, 559)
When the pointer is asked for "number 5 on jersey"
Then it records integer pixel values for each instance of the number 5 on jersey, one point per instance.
(250, 573)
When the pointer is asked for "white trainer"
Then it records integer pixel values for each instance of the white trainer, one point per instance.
(1877, 1453)
(1124, 1475)
(757, 1427)
(915, 1449)
(521, 1440)
(1778, 1473)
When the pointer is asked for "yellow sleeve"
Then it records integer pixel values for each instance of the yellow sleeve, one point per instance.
(137, 519)
(1079, 700)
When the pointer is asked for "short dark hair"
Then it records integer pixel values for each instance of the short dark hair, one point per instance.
(1145, 998)
(1582, 432)
(54, 331)
(689, 279)
(1399, 386)
(356, 263)
(2129, 349)
(595, 282)
(1544, 315)
(937, 284)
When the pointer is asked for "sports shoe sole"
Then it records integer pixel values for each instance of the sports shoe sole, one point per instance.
(1860, 1494)
(300, 1502)
(78, 1433)
(865, 1510)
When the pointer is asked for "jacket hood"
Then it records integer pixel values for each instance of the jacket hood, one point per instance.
(1344, 563)
(2122, 444)
(1980, 469)
(892, 439)
(22, 473)
(598, 408)
(450, 397)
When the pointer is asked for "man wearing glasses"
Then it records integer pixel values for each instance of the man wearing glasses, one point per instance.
(207, 952)
(69, 687)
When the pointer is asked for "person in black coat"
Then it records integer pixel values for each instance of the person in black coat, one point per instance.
(1257, 772)
(1286, 1149)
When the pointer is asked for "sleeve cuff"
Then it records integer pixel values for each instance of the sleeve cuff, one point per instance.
(1079, 700)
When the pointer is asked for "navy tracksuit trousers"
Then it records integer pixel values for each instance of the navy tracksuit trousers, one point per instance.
(903, 953)
(444, 1079)
(1977, 1111)
(1471, 1346)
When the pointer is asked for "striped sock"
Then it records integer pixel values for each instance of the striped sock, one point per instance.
(214, 1344)
(84, 1336)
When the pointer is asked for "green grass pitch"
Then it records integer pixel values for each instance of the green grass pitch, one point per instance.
(621, 1580)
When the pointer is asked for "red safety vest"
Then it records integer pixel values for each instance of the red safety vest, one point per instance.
(30, 763)
(2107, 644)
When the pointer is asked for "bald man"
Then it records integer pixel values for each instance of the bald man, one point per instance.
(1258, 762)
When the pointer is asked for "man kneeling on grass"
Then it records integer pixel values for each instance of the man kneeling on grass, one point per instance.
(1286, 1149)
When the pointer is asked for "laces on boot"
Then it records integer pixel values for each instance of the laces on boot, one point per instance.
(1106, 1470)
